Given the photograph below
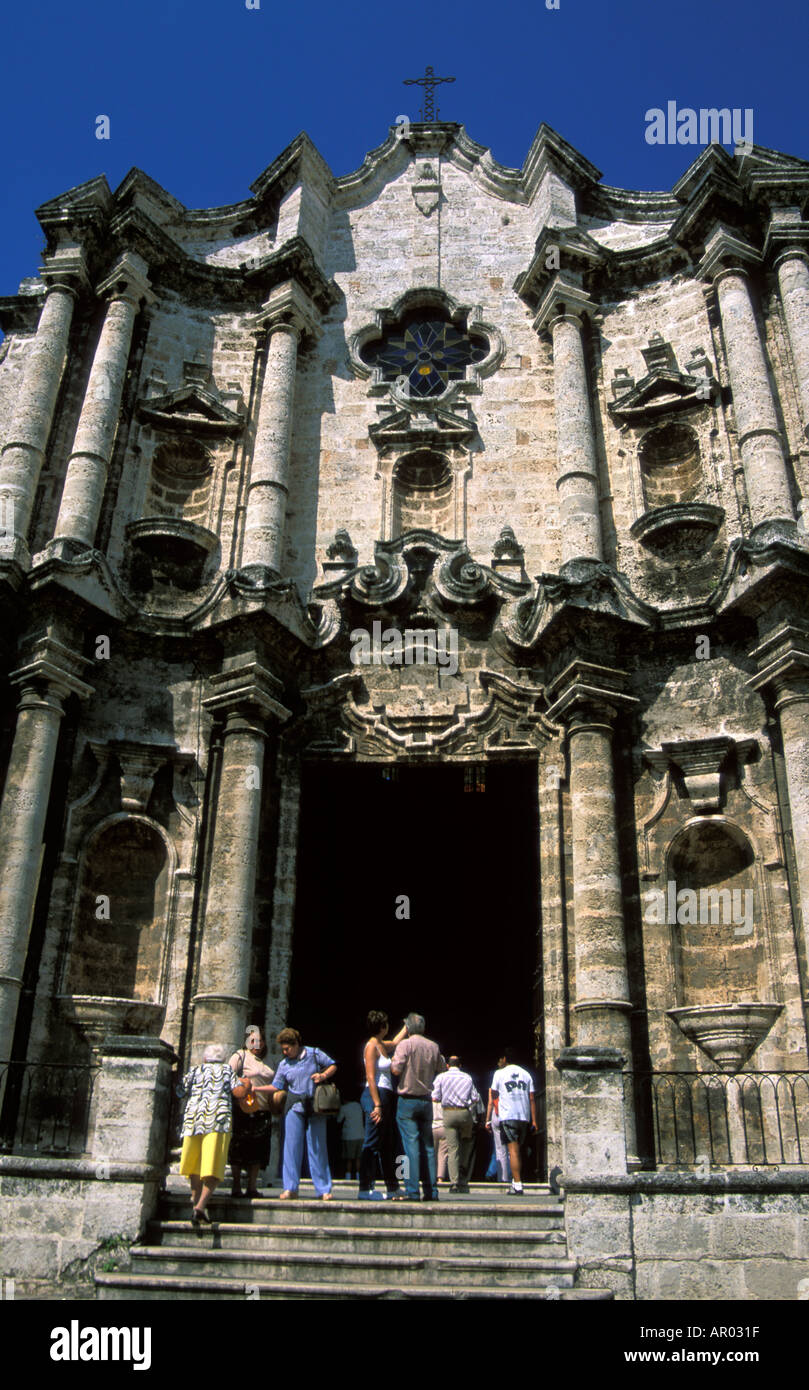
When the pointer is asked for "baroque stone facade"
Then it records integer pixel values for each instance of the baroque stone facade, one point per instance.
(266, 467)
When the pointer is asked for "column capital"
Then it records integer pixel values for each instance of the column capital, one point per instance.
(783, 661)
(585, 693)
(128, 280)
(727, 253)
(563, 299)
(249, 688)
(288, 308)
(66, 269)
(787, 239)
(49, 660)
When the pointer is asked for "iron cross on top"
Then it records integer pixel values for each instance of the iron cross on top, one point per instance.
(429, 82)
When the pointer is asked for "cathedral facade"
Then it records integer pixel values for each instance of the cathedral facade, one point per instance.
(403, 580)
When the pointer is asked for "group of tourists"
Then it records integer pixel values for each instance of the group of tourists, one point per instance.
(231, 1102)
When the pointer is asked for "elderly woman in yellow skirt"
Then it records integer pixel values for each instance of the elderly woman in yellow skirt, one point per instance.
(206, 1126)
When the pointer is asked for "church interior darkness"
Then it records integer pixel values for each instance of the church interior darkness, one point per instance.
(371, 833)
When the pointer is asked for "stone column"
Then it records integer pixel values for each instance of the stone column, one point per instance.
(24, 450)
(793, 282)
(783, 665)
(44, 687)
(287, 315)
(577, 470)
(586, 698)
(83, 492)
(247, 699)
(594, 1140)
(283, 905)
(760, 443)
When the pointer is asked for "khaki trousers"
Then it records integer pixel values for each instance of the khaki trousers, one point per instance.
(459, 1128)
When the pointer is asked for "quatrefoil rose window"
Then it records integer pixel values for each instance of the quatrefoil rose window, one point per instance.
(429, 353)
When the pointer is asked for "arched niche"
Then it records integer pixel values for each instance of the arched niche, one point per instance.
(119, 925)
(719, 930)
(670, 465)
(422, 494)
(180, 482)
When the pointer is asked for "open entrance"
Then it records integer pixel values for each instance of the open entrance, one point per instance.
(454, 845)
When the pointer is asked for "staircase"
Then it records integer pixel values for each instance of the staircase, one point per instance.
(485, 1245)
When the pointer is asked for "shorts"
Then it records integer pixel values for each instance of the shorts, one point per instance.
(204, 1155)
(514, 1131)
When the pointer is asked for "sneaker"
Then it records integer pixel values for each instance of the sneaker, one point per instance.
(516, 1190)
(370, 1196)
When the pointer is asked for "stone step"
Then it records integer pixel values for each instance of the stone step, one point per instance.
(378, 1239)
(142, 1288)
(516, 1213)
(292, 1266)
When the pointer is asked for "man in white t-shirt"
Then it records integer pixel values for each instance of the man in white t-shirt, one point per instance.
(516, 1105)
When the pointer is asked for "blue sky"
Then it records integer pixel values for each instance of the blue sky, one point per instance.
(203, 96)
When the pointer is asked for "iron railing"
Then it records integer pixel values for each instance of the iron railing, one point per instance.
(46, 1107)
(697, 1119)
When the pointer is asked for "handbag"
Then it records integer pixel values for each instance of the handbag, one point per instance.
(248, 1102)
(326, 1100)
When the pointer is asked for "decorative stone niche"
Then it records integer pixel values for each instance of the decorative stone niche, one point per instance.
(675, 523)
(422, 494)
(180, 483)
(118, 938)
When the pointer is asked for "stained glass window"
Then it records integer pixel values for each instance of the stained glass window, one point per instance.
(431, 354)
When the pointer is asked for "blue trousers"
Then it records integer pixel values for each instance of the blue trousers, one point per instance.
(415, 1121)
(378, 1143)
(314, 1128)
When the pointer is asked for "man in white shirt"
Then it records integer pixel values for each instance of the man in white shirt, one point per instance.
(516, 1103)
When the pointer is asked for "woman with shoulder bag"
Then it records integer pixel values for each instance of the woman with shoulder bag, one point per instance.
(299, 1072)
(252, 1127)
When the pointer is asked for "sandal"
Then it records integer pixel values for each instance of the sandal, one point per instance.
(287, 1196)
(326, 1197)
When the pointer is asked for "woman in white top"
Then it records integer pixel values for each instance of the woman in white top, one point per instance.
(378, 1102)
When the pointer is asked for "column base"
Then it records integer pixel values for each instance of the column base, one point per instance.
(259, 577)
(64, 548)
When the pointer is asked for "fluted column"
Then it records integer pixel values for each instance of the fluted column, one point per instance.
(587, 698)
(287, 315)
(83, 492)
(760, 443)
(24, 450)
(44, 688)
(576, 464)
(246, 699)
(783, 666)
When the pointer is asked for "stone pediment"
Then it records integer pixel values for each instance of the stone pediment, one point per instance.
(191, 408)
(664, 388)
(436, 425)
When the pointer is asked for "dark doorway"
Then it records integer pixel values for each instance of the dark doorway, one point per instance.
(460, 842)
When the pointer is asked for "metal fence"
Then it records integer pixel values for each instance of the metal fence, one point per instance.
(45, 1107)
(743, 1119)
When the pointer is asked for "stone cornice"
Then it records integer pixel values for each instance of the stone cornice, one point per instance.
(725, 250)
(562, 299)
(572, 253)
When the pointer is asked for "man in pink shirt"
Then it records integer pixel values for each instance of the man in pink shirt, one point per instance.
(416, 1063)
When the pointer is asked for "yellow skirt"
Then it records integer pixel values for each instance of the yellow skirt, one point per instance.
(204, 1155)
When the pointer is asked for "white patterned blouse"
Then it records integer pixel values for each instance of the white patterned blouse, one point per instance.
(208, 1109)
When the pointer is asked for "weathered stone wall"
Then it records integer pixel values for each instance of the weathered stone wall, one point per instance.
(663, 1237)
